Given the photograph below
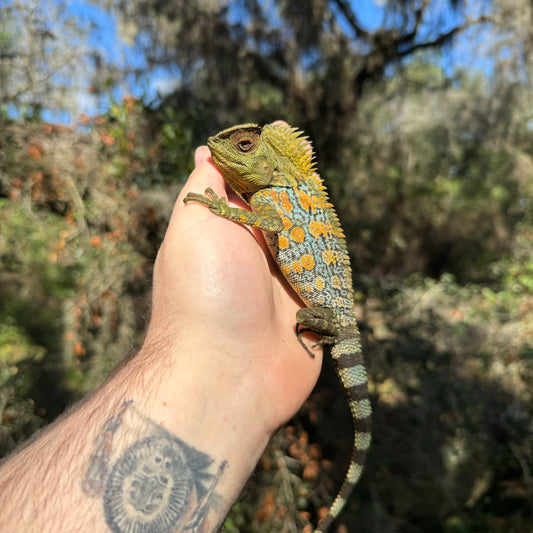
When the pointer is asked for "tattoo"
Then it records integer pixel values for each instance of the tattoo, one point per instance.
(158, 484)
(95, 478)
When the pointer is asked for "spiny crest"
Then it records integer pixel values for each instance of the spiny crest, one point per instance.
(291, 143)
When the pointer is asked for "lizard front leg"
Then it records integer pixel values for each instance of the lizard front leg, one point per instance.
(263, 216)
(320, 320)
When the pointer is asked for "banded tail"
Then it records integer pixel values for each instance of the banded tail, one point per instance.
(349, 364)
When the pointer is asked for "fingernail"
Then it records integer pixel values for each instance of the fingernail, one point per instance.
(201, 154)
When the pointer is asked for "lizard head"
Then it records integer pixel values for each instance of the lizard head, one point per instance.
(246, 161)
(251, 157)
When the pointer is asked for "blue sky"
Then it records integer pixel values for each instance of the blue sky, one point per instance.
(104, 36)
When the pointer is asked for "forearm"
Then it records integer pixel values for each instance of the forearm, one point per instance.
(159, 442)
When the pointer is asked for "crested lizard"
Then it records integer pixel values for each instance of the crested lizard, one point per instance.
(272, 169)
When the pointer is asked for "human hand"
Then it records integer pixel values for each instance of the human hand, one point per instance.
(221, 300)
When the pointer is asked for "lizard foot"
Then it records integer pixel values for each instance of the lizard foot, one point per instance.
(320, 320)
(210, 199)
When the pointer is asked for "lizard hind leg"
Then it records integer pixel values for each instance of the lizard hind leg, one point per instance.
(320, 320)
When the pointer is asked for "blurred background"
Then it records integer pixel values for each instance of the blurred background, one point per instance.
(421, 113)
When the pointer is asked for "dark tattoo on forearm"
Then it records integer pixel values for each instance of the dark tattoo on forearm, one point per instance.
(94, 482)
(157, 484)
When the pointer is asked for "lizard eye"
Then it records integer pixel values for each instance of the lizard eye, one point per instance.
(245, 140)
(245, 145)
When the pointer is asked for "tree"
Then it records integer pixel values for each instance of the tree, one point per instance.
(43, 57)
(306, 61)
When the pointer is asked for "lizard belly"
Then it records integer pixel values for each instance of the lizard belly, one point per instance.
(309, 251)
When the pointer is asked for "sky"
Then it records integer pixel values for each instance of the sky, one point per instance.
(104, 36)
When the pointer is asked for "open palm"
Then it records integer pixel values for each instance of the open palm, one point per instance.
(220, 292)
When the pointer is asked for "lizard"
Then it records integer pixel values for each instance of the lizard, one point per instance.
(273, 170)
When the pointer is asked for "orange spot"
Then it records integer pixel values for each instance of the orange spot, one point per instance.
(336, 282)
(298, 234)
(296, 267)
(283, 242)
(106, 138)
(305, 200)
(328, 257)
(319, 283)
(316, 228)
(285, 202)
(308, 261)
(129, 102)
(79, 161)
(35, 150)
(96, 241)
(85, 119)
(327, 229)
(286, 222)
(274, 196)
(311, 470)
(78, 349)
(322, 512)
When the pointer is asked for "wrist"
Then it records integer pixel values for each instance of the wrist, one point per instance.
(207, 403)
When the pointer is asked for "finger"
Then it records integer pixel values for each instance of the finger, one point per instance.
(201, 155)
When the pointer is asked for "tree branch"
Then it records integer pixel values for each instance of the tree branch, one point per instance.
(443, 38)
(346, 9)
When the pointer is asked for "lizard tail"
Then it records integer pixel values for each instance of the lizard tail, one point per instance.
(349, 364)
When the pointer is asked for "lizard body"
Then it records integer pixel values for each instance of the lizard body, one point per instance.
(272, 169)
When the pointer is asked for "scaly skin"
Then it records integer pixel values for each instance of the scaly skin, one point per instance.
(272, 169)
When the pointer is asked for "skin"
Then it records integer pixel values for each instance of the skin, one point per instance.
(216, 372)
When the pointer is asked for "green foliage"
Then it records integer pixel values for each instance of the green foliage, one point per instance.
(459, 375)
(31, 289)
(18, 419)
(144, 146)
(425, 187)
(72, 269)
(15, 346)
(32, 284)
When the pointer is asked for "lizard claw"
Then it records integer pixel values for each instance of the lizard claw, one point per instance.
(205, 199)
(299, 330)
(210, 199)
(210, 192)
(194, 197)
